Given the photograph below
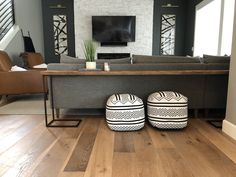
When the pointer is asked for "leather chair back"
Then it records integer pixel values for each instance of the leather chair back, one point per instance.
(5, 61)
(32, 59)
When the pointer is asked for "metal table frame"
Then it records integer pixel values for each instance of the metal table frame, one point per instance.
(54, 120)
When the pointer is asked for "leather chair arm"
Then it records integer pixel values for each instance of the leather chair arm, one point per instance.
(20, 82)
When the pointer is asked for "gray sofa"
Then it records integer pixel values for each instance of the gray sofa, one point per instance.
(203, 91)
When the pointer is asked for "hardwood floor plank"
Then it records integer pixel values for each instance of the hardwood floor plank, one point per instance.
(36, 151)
(18, 133)
(158, 159)
(23, 146)
(124, 164)
(160, 138)
(147, 163)
(81, 154)
(221, 163)
(11, 123)
(100, 163)
(26, 152)
(51, 162)
(124, 142)
(71, 174)
(187, 146)
(172, 164)
(228, 147)
(22, 155)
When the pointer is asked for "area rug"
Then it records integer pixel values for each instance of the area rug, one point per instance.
(24, 105)
(34, 105)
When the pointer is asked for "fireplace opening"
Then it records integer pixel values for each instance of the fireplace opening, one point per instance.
(112, 55)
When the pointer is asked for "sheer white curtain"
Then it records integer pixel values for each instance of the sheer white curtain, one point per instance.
(207, 27)
(227, 27)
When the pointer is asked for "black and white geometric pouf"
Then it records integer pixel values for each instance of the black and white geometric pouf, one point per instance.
(167, 110)
(125, 112)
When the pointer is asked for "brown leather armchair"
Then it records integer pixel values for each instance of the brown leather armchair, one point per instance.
(18, 82)
(32, 59)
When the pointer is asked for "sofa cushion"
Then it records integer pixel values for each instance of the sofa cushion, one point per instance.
(118, 61)
(32, 59)
(216, 59)
(164, 59)
(69, 59)
(5, 61)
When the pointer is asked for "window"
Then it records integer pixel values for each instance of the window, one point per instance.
(227, 32)
(214, 27)
(7, 19)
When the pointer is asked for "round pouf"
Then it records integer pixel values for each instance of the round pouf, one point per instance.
(167, 110)
(125, 112)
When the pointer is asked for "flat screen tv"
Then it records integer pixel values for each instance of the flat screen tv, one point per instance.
(113, 29)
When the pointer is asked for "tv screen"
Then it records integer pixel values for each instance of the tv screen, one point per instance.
(113, 28)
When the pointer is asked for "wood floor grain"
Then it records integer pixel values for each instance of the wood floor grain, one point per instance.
(82, 151)
(29, 149)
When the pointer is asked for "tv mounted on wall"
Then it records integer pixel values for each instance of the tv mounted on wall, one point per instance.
(113, 29)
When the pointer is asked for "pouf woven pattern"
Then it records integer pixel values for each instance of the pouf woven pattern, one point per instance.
(125, 112)
(167, 110)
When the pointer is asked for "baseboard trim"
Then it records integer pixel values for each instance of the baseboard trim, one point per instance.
(229, 129)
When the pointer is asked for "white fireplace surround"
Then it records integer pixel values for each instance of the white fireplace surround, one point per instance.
(142, 9)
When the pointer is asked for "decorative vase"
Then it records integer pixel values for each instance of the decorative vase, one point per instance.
(90, 65)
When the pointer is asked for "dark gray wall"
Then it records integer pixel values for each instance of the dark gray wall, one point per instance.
(49, 8)
(185, 22)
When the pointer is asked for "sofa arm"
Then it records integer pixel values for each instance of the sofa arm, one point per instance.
(21, 82)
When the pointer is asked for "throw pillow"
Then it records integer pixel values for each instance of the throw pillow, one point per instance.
(17, 68)
(43, 66)
(69, 59)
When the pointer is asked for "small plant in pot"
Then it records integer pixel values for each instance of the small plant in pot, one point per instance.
(89, 52)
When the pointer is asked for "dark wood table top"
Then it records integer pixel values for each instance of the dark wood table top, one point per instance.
(133, 73)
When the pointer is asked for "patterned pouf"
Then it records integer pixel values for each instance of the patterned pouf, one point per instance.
(125, 112)
(167, 110)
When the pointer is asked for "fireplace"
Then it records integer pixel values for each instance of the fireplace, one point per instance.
(112, 55)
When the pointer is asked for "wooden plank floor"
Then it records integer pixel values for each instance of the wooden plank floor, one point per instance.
(28, 149)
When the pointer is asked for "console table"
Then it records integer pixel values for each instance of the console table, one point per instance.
(50, 74)
(133, 73)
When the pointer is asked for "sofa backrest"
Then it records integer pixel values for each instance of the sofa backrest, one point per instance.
(164, 59)
(5, 61)
(157, 66)
(115, 61)
(73, 60)
(131, 67)
(216, 59)
(68, 67)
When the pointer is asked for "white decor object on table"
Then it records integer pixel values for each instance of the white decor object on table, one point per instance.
(90, 65)
(106, 67)
(89, 52)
